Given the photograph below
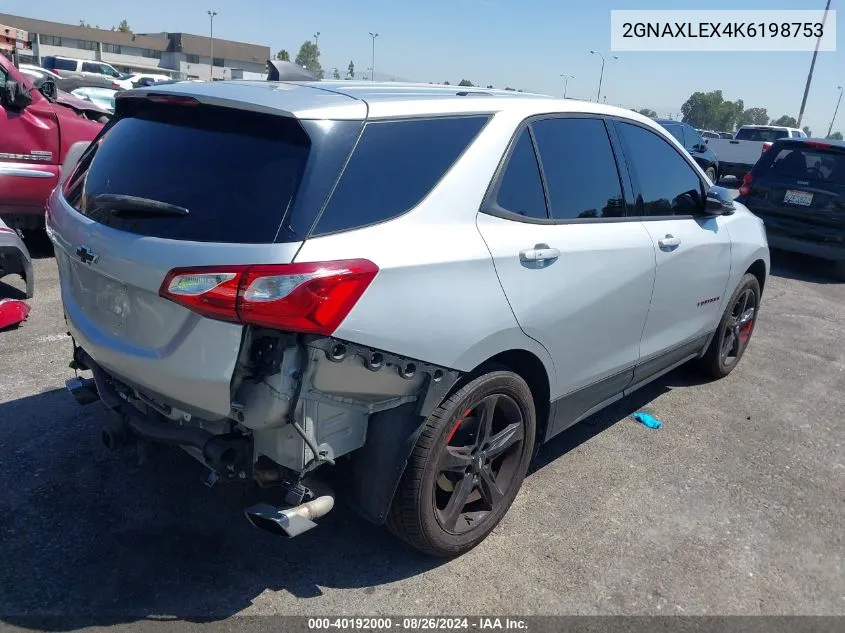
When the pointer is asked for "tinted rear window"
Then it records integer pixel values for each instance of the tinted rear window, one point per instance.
(767, 136)
(393, 167)
(235, 172)
(56, 63)
(805, 163)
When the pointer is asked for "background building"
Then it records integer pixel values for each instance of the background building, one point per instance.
(179, 55)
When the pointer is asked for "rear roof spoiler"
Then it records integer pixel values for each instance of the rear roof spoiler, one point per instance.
(278, 70)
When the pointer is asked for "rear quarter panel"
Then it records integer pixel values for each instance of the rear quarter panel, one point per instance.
(437, 297)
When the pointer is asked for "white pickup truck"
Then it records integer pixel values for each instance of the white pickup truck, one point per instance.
(738, 155)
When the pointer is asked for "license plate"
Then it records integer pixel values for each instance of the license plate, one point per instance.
(801, 198)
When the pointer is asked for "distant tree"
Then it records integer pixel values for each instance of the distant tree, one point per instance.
(807, 131)
(335, 74)
(753, 116)
(446, 83)
(283, 55)
(489, 86)
(309, 57)
(350, 72)
(836, 136)
(123, 27)
(466, 83)
(509, 88)
(785, 121)
(651, 114)
(84, 24)
(710, 111)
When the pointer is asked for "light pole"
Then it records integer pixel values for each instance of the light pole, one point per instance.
(211, 15)
(830, 129)
(566, 79)
(317, 38)
(373, 65)
(601, 76)
(812, 65)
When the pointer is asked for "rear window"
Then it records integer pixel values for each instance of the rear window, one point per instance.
(767, 136)
(235, 173)
(393, 167)
(56, 63)
(805, 163)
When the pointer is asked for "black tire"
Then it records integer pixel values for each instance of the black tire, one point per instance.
(735, 330)
(711, 174)
(445, 503)
(839, 269)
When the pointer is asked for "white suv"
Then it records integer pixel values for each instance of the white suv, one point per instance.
(414, 285)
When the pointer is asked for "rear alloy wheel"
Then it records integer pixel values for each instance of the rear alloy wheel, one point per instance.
(711, 174)
(731, 339)
(468, 464)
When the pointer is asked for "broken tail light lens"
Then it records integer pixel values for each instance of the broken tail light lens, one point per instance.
(310, 297)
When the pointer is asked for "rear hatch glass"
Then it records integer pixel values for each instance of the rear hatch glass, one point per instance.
(766, 136)
(232, 174)
(807, 163)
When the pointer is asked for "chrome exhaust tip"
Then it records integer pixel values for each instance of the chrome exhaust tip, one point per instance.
(83, 390)
(289, 522)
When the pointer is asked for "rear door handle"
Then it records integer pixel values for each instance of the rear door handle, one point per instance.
(540, 253)
(669, 242)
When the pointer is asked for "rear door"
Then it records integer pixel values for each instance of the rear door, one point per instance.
(693, 253)
(798, 189)
(577, 272)
(236, 176)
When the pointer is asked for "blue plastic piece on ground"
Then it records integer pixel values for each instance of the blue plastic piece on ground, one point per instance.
(648, 420)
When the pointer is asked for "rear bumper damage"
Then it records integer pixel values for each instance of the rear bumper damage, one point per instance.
(296, 403)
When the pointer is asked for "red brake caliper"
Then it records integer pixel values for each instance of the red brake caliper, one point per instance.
(458, 423)
(745, 331)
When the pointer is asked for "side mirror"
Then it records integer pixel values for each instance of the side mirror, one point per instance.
(701, 147)
(15, 95)
(48, 90)
(718, 202)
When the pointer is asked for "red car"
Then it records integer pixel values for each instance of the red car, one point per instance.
(35, 135)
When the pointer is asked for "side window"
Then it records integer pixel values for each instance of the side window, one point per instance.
(64, 64)
(90, 67)
(580, 168)
(692, 138)
(676, 131)
(2, 79)
(521, 190)
(393, 167)
(668, 185)
(108, 70)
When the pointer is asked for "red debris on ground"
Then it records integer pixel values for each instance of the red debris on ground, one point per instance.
(12, 312)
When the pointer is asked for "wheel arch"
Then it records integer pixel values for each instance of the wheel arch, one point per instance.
(374, 470)
(758, 269)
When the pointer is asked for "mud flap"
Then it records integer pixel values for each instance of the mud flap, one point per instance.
(376, 468)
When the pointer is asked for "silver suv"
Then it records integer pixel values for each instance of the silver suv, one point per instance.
(416, 285)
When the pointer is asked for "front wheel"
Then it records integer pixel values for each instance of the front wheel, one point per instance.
(731, 339)
(467, 466)
(711, 174)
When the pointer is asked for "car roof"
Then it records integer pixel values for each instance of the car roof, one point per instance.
(373, 100)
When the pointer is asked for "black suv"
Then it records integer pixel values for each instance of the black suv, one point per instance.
(697, 147)
(798, 189)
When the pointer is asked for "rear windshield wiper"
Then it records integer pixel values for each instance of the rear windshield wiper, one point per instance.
(122, 205)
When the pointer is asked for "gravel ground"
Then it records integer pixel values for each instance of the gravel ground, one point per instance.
(735, 506)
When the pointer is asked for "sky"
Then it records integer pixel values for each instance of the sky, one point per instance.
(525, 44)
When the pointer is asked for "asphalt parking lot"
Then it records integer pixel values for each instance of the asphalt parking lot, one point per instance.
(735, 506)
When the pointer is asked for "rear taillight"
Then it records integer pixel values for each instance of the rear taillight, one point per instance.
(745, 187)
(766, 147)
(310, 297)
